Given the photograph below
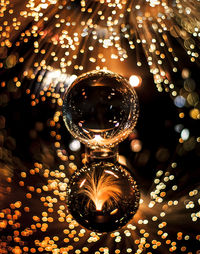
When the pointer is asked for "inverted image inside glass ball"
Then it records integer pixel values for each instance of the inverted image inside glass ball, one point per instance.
(102, 196)
(100, 108)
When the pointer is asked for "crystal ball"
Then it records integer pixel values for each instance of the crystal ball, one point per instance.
(102, 196)
(100, 108)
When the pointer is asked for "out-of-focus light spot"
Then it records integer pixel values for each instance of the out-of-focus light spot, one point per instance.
(2, 122)
(185, 73)
(153, 3)
(179, 101)
(162, 154)
(189, 85)
(135, 81)
(143, 157)
(133, 135)
(74, 145)
(39, 126)
(193, 98)
(185, 133)
(11, 61)
(190, 144)
(181, 115)
(195, 113)
(136, 145)
(72, 78)
(178, 128)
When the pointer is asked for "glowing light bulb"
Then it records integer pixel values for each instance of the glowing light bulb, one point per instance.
(100, 109)
(102, 196)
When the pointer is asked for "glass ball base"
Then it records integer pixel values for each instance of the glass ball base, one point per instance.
(102, 196)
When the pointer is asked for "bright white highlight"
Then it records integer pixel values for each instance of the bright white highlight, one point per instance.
(134, 81)
(75, 145)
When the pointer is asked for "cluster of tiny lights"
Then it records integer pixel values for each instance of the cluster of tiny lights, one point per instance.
(66, 35)
(51, 42)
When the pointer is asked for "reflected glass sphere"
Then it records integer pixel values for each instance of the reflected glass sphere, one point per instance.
(100, 108)
(102, 196)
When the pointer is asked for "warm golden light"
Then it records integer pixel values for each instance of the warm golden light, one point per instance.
(101, 190)
(47, 43)
(135, 81)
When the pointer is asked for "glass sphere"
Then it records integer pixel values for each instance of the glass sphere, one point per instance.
(100, 108)
(102, 196)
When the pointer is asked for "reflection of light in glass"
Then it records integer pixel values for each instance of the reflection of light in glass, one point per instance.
(98, 138)
(111, 173)
(75, 145)
(102, 196)
(100, 114)
(179, 101)
(114, 211)
(185, 133)
(122, 160)
(101, 191)
(134, 81)
(82, 183)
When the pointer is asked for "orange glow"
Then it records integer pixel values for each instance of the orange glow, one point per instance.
(82, 183)
(101, 189)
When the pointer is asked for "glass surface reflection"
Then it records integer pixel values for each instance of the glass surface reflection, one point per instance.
(102, 196)
(100, 109)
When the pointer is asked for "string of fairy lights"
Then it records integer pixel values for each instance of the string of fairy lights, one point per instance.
(49, 43)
